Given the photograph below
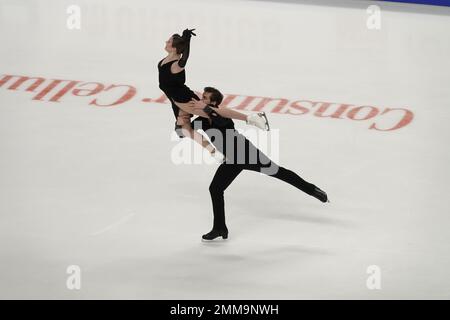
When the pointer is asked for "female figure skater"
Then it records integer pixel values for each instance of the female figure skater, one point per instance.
(172, 79)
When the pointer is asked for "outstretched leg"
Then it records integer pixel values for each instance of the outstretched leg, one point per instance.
(295, 180)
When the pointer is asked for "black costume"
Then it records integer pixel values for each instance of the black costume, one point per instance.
(240, 155)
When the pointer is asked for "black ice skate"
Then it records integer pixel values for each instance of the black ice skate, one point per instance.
(214, 234)
(320, 194)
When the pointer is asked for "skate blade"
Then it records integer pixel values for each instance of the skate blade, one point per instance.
(218, 239)
(263, 114)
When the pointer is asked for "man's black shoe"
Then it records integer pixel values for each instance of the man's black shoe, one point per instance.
(214, 234)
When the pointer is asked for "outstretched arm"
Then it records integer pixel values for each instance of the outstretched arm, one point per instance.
(183, 120)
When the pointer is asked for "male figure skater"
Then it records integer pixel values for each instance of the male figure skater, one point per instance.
(240, 155)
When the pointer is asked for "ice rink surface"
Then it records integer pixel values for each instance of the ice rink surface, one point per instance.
(96, 186)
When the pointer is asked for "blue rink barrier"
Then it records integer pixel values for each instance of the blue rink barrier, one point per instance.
(430, 2)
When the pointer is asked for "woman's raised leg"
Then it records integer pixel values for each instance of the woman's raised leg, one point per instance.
(257, 119)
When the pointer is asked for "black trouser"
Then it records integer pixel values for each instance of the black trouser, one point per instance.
(225, 175)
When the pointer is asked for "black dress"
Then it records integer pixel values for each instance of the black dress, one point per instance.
(172, 84)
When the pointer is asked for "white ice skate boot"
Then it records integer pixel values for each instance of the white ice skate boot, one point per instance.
(258, 120)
